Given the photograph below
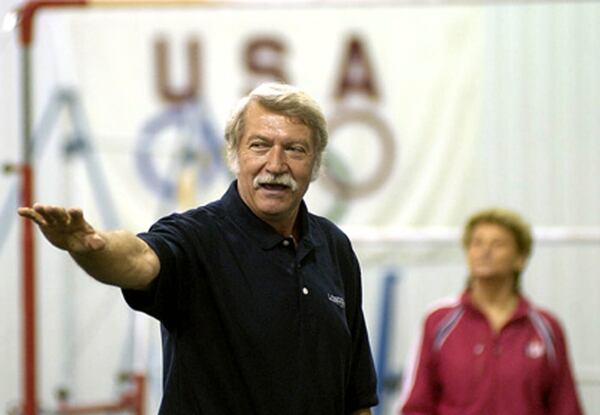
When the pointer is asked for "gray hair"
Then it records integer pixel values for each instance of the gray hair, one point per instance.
(282, 99)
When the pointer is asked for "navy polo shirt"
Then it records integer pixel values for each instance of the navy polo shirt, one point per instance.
(252, 324)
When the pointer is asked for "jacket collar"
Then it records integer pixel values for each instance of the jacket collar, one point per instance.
(523, 305)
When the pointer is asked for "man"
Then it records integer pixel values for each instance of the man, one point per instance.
(259, 300)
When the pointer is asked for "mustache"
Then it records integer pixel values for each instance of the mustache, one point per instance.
(284, 179)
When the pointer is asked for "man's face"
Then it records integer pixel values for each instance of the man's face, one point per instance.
(276, 157)
(492, 252)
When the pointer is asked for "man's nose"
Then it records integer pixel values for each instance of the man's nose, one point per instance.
(276, 161)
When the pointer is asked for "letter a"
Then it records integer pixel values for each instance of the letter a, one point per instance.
(356, 75)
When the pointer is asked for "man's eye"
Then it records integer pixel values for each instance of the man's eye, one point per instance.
(298, 149)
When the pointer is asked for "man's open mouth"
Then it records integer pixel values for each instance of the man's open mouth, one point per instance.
(272, 186)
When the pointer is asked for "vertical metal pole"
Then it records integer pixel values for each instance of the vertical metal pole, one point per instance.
(385, 327)
(29, 299)
(139, 399)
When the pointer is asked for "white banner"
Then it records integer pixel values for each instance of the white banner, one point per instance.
(154, 89)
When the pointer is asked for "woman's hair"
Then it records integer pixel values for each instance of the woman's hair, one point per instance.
(509, 220)
(282, 99)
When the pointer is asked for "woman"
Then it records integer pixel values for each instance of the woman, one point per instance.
(491, 351)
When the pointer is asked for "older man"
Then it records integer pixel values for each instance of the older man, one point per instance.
(259, 300)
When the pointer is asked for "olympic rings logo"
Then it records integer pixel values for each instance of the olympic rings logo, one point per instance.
(199, 144)
(337, 179)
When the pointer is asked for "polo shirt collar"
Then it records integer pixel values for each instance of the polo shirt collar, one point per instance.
(264, 233)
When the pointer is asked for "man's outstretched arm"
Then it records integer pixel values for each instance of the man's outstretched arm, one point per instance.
(117, 257)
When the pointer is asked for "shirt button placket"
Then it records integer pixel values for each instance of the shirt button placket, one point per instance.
(305, 290)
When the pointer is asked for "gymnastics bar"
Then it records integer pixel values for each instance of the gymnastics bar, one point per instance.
(24, 20)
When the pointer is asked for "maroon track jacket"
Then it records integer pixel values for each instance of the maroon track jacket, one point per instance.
(464, 368)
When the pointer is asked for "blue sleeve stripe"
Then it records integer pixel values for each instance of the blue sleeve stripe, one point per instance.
(446, 326)
(543, 328)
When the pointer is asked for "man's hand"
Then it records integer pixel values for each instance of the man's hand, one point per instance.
(64, 228)
(114, 257)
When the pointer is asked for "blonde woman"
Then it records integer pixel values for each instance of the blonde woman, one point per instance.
(491, 351)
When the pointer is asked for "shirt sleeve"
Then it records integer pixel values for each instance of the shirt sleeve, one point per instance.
(164, 300)
(562, 397)
(419, 394)
(362, 388)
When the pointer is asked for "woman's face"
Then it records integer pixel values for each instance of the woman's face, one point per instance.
(492, 252)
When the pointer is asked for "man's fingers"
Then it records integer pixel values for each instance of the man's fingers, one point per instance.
(57, 215)
(77, 220)
(25, 212)
(75, 214)
(29, 213)
(47, 212)
(56, 218)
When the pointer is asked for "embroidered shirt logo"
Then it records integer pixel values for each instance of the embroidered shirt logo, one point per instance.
(535, 349)
(339, 301)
